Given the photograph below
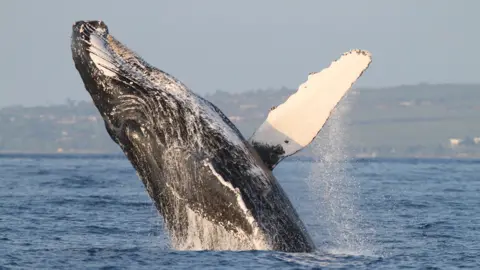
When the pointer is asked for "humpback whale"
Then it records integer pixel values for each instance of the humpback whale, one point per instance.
(214, 188)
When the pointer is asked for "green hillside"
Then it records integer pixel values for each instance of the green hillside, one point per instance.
(416, 120)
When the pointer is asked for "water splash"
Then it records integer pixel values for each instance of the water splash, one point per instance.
(206, 235)
(334, 191)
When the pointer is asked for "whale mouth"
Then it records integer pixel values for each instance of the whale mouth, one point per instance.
(92, 38)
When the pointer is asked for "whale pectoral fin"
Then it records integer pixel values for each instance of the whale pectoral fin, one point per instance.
(294, 124)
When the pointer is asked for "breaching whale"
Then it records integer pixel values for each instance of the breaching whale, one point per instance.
(214, 188)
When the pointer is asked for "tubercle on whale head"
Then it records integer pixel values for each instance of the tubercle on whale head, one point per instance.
(81, 26)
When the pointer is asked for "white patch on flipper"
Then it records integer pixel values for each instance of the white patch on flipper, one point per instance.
(101, 56)
(296, 122)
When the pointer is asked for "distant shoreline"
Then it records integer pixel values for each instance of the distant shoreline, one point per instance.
(421, 121)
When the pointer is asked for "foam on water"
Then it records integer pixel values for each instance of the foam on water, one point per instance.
(334, 191)
(205, 235)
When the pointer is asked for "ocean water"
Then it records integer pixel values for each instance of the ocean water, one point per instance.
(92, 212)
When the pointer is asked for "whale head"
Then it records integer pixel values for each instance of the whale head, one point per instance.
(125, 89)
(91, 46)
(95, 59)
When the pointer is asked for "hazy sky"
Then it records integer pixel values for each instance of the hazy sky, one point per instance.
(241, 45)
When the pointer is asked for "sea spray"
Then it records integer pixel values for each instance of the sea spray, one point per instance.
(334, 192)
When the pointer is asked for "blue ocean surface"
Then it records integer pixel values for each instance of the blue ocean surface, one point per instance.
(92, 212)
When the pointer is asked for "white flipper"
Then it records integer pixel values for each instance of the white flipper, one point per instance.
(295, 123)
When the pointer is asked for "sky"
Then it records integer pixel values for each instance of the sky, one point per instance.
(243, 45)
